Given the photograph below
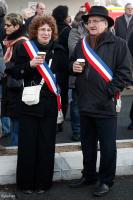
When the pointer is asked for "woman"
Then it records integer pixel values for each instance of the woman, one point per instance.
(36, 146)
(60, 13)
(12, 89)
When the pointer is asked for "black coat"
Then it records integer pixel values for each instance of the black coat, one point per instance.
(121, 29)
(22, 70)
(11, 96)
(130, 43)
(64, 30)
(95, 95)
(27, 22)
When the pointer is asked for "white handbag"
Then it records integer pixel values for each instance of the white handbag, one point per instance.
(31, 94)
(60, 117)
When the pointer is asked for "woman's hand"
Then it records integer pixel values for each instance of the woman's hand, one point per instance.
(38, 60)
(77, 67)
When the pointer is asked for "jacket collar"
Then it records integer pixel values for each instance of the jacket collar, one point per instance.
(106, 37)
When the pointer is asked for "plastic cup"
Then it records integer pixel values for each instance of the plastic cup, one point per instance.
(41, 54)
(82, 62)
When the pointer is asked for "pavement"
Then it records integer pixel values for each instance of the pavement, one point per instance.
(123, 122)
(122, 190)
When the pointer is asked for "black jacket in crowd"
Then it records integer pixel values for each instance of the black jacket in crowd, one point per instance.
(121, 28)
(12, 89)
(96, 96)
(63, 30)
(22, 70)
(130, 43)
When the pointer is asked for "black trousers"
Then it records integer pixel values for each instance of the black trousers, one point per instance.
(36, 148)
(102, 130)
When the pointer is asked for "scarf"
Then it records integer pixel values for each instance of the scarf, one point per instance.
(9, 45)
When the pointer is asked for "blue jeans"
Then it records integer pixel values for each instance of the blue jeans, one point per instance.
(6, 125)
(74, 113)
(14, 131)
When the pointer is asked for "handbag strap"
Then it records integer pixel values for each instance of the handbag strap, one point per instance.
(42, 82)
(44, 71)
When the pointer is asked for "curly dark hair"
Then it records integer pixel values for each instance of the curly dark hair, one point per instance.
(37, 22)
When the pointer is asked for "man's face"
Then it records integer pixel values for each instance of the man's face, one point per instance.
(129, 10)
(41, 9)
(96, 25)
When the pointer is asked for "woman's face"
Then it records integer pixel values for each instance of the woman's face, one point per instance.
(10, 28)
(44, 34)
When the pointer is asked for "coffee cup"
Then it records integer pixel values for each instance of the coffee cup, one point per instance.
(41, 54)
(82, 62)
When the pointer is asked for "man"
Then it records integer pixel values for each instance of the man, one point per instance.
(124, 24)
(40, 11)
(123, 29)
(106, 72)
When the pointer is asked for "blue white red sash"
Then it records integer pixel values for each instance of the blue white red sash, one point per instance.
(44, 70)
(96, 62)
(100, 66)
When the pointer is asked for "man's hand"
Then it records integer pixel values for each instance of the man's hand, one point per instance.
(77, 67)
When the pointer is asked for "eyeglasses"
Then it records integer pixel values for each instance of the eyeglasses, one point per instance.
(95, 22)
(128, 8)
(45, 30)
(8, 25)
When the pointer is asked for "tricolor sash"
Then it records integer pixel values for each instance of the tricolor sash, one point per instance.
(96, 62)
(100, 66)
(44, 70)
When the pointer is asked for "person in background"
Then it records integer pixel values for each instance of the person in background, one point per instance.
(36, 146)
(5, 130)
(69, 21)
(77, 32)
(40, 11)
(60, 13)
(27, 13)
(130, 45)
(3, 12)
(98, 91)
(124, 24)
(5, 121)
(124, 28)
(12, 89)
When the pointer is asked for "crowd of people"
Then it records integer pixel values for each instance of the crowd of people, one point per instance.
(91, 57)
